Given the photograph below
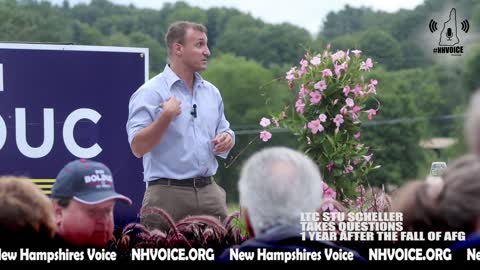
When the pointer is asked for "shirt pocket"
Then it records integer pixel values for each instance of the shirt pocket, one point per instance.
(210, 116)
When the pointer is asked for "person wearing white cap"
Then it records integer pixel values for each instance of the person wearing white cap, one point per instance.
(83, 199)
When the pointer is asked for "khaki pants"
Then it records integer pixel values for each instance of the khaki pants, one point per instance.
(183, 201)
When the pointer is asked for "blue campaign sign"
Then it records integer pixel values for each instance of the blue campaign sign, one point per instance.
(62, 102)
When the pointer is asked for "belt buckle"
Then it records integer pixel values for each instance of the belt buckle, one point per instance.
(195, 181)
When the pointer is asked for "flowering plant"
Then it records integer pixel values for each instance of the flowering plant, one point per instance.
(331, 97)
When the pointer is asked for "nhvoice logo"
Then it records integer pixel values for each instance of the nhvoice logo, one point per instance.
(449, 34)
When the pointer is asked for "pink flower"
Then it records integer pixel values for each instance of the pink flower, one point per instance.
(349, 102)
(315, 97)
(372, 87)
(371, 113)
(339, 68)
(329, 194)
(357, 90)
(338, 120)
(368, 158)
(322, 117)
(360, 189)
(355, 161)
(357, 135)
(265, 136)
(327, 73)
(291, 74)
(343, 110)
(316, 60)
(304, 65)
(265, 122)
(366, 65)
(299, 106)
(337, 56)
(355, 110)
(329, 168)
(348, 169)
(357, 53)
(302, 92)
(321, 85)
(359, 202)
(315, 126)
(346, 90)
(324, 185)
(300, 73)
(329, 207)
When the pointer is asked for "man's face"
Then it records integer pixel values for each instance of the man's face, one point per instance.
(86, 225)
(195, 50)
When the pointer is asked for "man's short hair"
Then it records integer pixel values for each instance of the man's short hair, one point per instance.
(177, 30)
(276, 185)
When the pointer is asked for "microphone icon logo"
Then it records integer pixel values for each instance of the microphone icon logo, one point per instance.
(449, 34)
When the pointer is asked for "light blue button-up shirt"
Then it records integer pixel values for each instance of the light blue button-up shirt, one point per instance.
(186, 148)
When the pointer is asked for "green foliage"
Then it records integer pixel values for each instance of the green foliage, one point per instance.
(182, 11)
(238, 77)
(345, 41)
(352, 20)
(267, 44)
(472, 69)
(382, 47)
(396, 145)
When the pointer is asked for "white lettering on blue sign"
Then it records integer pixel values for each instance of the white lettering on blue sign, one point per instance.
(1, 78)
(48, 133)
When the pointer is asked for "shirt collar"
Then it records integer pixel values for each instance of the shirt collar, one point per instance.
(172, 78)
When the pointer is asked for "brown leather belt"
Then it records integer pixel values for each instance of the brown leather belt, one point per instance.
(190, 182)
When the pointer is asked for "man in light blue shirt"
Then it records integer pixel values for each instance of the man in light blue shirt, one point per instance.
(177, 124)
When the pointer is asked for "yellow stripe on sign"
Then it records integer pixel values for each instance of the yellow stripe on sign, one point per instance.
(43, 181)
(44, 184)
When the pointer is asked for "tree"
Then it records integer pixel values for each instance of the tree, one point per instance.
(472, 69)
(157, 52)
(382, 47)
(396, 144)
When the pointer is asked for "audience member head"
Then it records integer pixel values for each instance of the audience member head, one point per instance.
(472, 124)
(26, 214)
(276, 185)
(459, 200)
(84, 198)
(417, 201)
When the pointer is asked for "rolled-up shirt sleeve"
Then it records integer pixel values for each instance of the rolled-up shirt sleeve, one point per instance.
(143, 106)
(224, 126)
